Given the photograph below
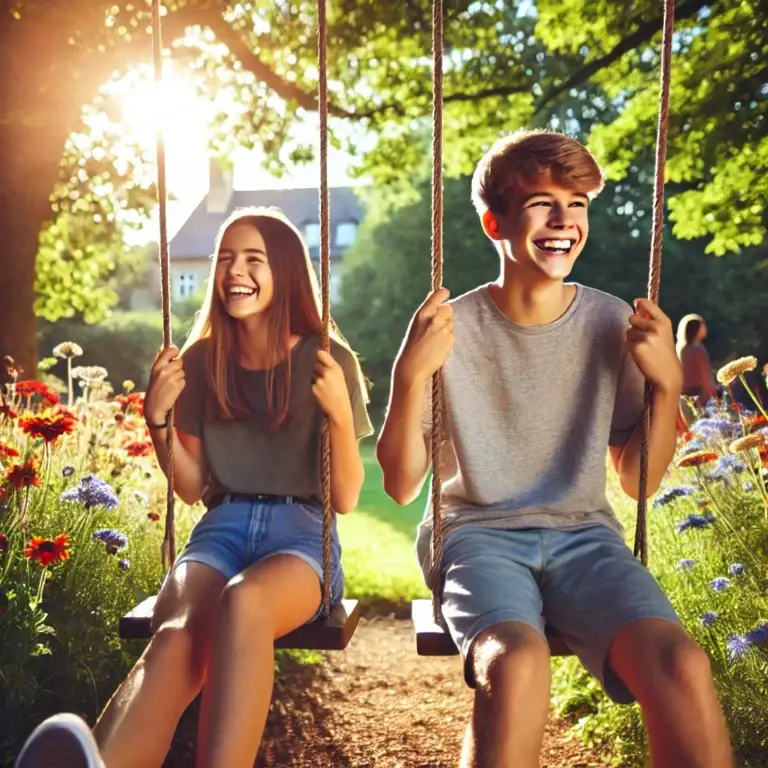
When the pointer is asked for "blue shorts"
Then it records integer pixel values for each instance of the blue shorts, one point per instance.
(236, 534)
(585, 581)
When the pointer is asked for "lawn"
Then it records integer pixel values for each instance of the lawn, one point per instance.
(378, 545)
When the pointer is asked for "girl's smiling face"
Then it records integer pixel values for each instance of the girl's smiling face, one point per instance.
(244, 280)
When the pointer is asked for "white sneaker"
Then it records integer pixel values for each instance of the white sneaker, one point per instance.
(61, 741)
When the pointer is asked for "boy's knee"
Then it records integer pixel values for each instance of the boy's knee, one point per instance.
(512, 654)
(684, 664)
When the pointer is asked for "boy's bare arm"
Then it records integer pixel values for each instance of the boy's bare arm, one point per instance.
(401, 450)
(650, 340)
(662, 441)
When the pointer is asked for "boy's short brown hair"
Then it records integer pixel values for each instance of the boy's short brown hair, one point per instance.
(522, 157)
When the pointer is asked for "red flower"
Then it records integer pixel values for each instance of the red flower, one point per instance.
(8, 451)
(3, 543)
(7, 411)
(37, 388)
(754, 421)
(23, 475)
(49, 426)
(697, 459)
(137, 449)
(134, 401)
(153, 516)
(47, 551)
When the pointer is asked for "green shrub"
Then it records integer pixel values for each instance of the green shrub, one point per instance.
(125, 344)
(59, 644)
(724, 490)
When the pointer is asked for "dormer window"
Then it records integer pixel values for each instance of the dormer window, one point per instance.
(346, 234)
(312, 234)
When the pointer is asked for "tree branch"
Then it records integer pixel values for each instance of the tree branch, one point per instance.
(209, 16)
(644, 32)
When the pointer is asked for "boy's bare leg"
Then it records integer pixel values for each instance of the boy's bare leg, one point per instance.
(511, 664)
(671, 678)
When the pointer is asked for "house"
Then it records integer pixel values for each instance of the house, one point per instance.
(190, 248)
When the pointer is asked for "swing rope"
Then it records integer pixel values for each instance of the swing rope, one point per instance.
(325, 266)
(654, 282)
(436, 554)
(654, 273)
(168, 551)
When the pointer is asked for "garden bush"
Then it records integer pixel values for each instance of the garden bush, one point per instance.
(708, 529)
(125, 343)
(81, 511)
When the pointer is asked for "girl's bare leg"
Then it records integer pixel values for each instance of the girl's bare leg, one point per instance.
(137, 726)
(265, 602)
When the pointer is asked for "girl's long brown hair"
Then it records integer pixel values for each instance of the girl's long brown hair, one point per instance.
(295, 310)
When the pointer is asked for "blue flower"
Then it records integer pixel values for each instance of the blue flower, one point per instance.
(124, 564)
(708, 619)
(719, 474)
(759, 635)
(685, 564)
(691, 446)
(92, 492)
(748, 487)
(114, 540)
(670, 494)
(695, 521)
(736, 569)
(730, 464)
(68, 471)
(712, 427)
(737, 647)
(719, 584)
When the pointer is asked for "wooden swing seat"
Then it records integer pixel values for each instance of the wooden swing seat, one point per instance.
(331, 634)
(433, 640)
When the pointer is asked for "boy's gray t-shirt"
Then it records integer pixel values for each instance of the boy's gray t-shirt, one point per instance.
(530, 413)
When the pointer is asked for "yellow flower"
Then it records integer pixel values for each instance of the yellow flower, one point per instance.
(755, 440)
(736, 368)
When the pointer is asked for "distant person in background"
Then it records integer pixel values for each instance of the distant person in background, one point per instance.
(698, 384)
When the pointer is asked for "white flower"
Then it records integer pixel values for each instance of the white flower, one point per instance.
(67, 350)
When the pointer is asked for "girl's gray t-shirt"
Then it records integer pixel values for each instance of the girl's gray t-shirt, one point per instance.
(245, 455)
(529, 415)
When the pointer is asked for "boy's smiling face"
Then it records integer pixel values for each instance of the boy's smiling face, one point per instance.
(544, 229)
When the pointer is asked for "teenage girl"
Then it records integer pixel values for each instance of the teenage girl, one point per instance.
(250, 390)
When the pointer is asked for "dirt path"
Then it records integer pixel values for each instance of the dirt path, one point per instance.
(376, 705)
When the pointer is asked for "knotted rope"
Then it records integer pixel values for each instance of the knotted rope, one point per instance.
(168, 550)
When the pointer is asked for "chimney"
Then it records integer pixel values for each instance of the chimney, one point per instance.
(219, 187)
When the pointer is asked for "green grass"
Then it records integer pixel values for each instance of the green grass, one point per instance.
(378, 545)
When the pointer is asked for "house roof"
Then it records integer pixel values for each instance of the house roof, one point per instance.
(196, 236)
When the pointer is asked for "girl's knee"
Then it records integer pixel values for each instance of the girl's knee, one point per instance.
(178, 646)
(510, 655)
(244, 606)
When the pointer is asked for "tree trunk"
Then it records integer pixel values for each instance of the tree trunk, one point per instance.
(34, 125)
(29, 164)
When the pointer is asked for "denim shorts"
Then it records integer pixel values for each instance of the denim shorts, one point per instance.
(236, 534)
(585, 581)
